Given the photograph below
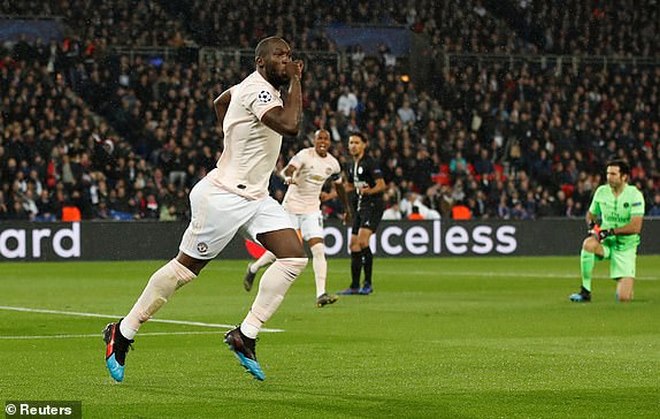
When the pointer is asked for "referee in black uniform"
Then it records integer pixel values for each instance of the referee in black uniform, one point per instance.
(366, 179)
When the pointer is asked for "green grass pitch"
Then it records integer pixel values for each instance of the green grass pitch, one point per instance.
(447, 337)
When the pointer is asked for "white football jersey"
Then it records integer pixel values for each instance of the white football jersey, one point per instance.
(251, 148)
(311, 173)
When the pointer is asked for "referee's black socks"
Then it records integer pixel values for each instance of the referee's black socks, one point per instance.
(356, 269)
(367, 262)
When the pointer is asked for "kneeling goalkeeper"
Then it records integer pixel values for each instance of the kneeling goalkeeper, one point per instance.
(620, 207)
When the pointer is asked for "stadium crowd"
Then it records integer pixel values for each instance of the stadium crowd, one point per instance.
(90, 134)
(97, 24)
(615, 28)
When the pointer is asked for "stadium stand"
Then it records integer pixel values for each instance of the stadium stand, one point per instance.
(120, 132)
(612, 28)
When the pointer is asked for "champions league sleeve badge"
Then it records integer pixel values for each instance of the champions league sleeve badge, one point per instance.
(264, 96)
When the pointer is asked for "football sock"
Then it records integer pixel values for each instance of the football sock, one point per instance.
(587, 262)
(356, 267)
(368, 263)
(265, 259)
(274, 284)
(320, 267)
(162, 284)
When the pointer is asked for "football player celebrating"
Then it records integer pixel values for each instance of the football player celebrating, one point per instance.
(306, 174)
(234, 198)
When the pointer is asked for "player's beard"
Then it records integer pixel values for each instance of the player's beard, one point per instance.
(277, 79)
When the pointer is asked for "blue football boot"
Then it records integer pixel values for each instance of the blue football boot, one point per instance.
(115, 351)
(584, 296)
(244, 349)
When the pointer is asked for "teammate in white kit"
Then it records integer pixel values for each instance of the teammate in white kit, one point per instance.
(233, 198)
(306, 174)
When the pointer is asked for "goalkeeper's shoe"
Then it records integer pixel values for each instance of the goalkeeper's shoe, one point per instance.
(115, 350)
(584, 296)
(248, 280)
(325, 299)
(244, 349)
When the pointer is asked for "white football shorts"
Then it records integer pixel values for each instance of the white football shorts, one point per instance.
(310, 225)
(217, 215)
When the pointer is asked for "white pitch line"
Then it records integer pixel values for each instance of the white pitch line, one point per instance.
(98, 335)
(507, 274)
(109, 316)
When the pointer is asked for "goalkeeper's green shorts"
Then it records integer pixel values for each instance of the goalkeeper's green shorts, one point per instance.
(622, 262)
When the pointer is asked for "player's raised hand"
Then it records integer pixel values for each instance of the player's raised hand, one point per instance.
(301, 66)
(294, 69)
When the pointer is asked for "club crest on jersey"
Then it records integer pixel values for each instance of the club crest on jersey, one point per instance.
(360, 170)
(264, 96)
(328, 171)
(202, 247)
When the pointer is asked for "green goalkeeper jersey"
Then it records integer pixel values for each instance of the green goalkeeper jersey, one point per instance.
(616, 211)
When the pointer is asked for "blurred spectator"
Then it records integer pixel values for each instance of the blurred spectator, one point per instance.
(503, 210)
(406, 113)
(655, 207)
(347, 102)
(461, 212)
(392, 211)
(415, 215)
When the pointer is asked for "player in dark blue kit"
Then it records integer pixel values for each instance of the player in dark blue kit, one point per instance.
(366, 179)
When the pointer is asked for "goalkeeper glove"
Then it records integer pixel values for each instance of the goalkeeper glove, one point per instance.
(603, 234)
(594, 229)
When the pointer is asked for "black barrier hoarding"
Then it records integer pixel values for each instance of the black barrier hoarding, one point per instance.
(36, 241)
(554, 237)
(97, 240)
(132, 240)
(429, 239)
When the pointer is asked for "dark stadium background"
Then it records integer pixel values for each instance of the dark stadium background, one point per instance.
(477, 109)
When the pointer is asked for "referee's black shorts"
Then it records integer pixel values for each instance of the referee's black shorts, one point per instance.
(368, 216)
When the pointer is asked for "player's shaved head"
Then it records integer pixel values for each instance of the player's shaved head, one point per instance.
(321, 131)
(272, 55)
(265, 46)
